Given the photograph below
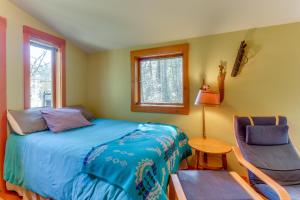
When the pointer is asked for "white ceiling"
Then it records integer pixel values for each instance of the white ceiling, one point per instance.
(107, 24)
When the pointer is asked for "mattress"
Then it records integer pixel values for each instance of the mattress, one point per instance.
(51, 164)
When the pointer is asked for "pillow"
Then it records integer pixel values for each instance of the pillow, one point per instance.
(64, 119)
(86, 113)
(25, 122)
(267, 135)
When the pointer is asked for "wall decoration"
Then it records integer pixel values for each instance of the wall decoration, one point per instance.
(241, 59)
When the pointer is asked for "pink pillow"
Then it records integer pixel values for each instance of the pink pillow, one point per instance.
(64, 119)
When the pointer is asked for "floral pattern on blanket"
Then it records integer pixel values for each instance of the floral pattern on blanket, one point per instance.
(141, 161)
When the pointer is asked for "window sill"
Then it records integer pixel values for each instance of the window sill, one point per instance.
(169, 109)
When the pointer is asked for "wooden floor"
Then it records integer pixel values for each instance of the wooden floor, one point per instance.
(9, 196)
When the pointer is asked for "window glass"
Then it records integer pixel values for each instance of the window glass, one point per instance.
(41, 76)
(161, 80)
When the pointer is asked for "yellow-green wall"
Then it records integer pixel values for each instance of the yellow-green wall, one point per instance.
(76, 59)
(268, 85)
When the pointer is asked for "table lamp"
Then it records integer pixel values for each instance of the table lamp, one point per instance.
(206, 98)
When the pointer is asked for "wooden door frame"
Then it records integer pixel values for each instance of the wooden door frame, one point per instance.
(3, 109)
(3, 123)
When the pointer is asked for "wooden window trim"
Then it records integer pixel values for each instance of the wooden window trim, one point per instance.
(167, 51)
(31, 33)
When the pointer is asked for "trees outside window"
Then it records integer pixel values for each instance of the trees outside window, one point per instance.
(42, 75)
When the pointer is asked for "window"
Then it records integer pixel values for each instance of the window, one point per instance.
(42, 79)
(44, 69)
(160, 80)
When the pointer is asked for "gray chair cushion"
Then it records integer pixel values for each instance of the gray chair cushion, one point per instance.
(267, 135)
(242, 122)
(280, 162)
(293, 190)
(211, 185)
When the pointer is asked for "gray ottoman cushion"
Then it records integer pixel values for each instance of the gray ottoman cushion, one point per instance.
(211, 185)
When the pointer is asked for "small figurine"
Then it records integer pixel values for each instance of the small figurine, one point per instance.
(204, 85)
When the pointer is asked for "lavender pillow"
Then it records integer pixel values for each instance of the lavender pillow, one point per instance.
(64, 119)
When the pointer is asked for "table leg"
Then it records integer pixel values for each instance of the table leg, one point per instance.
(224, 161)
(205, 158)
(197, 159)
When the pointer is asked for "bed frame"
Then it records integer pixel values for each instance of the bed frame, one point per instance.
(3, 123)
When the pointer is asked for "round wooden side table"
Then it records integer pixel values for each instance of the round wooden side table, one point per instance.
(209, 146)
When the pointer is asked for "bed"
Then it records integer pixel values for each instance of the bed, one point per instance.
(111, 159)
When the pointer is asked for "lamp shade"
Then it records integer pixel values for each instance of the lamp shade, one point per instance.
(207, 97)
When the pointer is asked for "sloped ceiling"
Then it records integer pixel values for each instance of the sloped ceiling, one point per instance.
(107, 24)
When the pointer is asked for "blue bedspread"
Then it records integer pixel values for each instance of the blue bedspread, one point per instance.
(53, 164)
(140, 162)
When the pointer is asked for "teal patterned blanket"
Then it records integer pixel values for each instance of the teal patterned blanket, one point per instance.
(140, 162)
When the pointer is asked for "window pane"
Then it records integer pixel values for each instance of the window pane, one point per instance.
(161, 80)
(40, 77)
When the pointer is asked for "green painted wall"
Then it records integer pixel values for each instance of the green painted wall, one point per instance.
(268, 84)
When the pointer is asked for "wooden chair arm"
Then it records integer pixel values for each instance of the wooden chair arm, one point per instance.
(175, 189)
(246, 186)
(282, 193)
